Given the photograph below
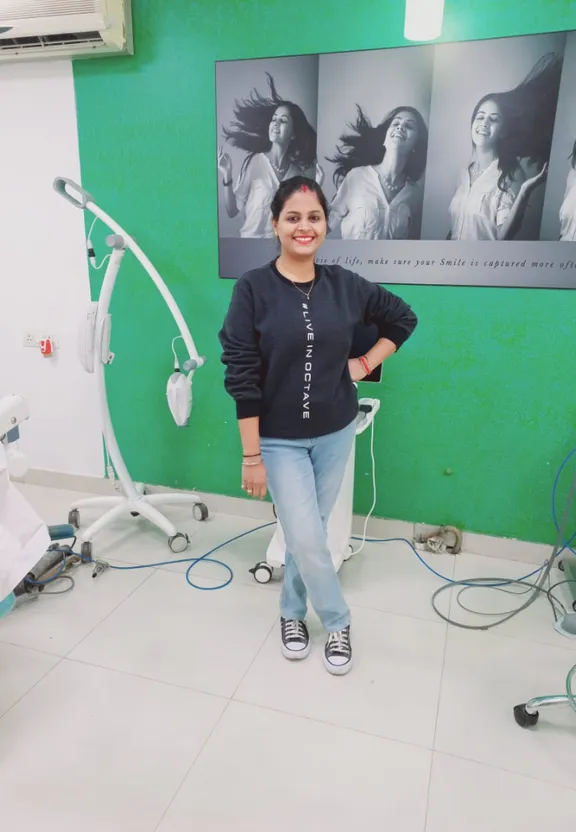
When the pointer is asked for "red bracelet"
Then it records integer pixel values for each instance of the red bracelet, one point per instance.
(365, 364)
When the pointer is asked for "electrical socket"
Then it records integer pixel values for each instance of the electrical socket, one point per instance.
(32, 339)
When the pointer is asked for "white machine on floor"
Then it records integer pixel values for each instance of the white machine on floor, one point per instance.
(340, 523)
(95, 354)
(24, 536)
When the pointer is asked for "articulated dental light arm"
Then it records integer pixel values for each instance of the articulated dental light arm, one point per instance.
(83, 200)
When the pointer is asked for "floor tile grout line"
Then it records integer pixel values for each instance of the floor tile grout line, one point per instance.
(217, 723)
(495, 633)
(192, 764)
(30, 689)
(200, 691)
(438, 620)
(107, 616)
(438, 752)
(440, 686)
(428, 791)
(341, 727)
(64, 657)
(433, 751)
(249, 668)
(31, 649)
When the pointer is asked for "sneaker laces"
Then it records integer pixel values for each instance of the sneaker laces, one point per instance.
(339, 642)
(294, 630)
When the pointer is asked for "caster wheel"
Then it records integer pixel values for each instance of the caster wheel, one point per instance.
(561, 566)
(262, 573)
(200, 512)
(86, 550)
(74, 518)
(179, 543)
(524, 718)
(135, 513)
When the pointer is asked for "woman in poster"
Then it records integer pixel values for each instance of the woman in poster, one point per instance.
(279, 143)
(568, 208)
(377, 175)
(511, 140)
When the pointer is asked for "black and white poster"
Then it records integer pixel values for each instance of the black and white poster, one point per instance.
(445, 164)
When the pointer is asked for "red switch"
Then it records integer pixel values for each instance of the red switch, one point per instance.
(46, 347)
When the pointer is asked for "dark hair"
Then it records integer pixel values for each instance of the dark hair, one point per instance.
(252, 117)
(573, 155)
(528, 113)
(365, 146)
(289, 187)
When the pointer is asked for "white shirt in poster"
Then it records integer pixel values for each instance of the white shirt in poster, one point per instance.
(364, 213)
(255, 190)
(568, 210)
(479, 208)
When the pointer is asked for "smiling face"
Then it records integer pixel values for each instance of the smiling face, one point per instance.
(281, 129)
(488, 125)
(402, 134)
(301, 226)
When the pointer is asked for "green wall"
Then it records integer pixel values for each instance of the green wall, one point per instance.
(486, 387)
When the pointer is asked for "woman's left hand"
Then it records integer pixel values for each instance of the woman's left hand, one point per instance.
(533, 181)
(357, 371)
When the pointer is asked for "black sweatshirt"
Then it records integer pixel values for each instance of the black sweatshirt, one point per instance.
(286, 357)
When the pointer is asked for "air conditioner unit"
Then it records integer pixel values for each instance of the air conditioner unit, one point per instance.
(31, 29)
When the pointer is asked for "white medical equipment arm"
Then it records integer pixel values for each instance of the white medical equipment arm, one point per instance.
(23, 535)
(13, 411)
(95, 355)
(85, 202)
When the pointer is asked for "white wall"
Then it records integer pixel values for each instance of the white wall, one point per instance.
(43, 270)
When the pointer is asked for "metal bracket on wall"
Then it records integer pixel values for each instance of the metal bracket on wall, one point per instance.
(446, 539)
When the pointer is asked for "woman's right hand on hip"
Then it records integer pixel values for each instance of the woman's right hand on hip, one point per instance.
(254, 480)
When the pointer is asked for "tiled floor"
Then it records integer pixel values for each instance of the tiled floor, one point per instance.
(136, 703)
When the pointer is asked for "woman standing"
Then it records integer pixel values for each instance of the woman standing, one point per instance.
(286, 345)
(568, 208)
(279, 143)
(511, 139)
(377, 174)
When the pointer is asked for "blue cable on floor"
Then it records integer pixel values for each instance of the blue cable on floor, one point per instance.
(504, 582)
(207, 559)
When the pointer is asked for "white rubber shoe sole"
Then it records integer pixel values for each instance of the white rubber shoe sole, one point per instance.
(338, 669)
(296, 655)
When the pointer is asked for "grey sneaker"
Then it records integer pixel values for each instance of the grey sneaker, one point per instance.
(295, 639)
(338, 652)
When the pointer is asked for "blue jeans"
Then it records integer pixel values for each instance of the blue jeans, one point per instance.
(304, 478)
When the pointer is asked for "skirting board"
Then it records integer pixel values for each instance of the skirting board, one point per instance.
(476, 544)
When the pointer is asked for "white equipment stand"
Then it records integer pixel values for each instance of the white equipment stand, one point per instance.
(95, 355)
(340, 522)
